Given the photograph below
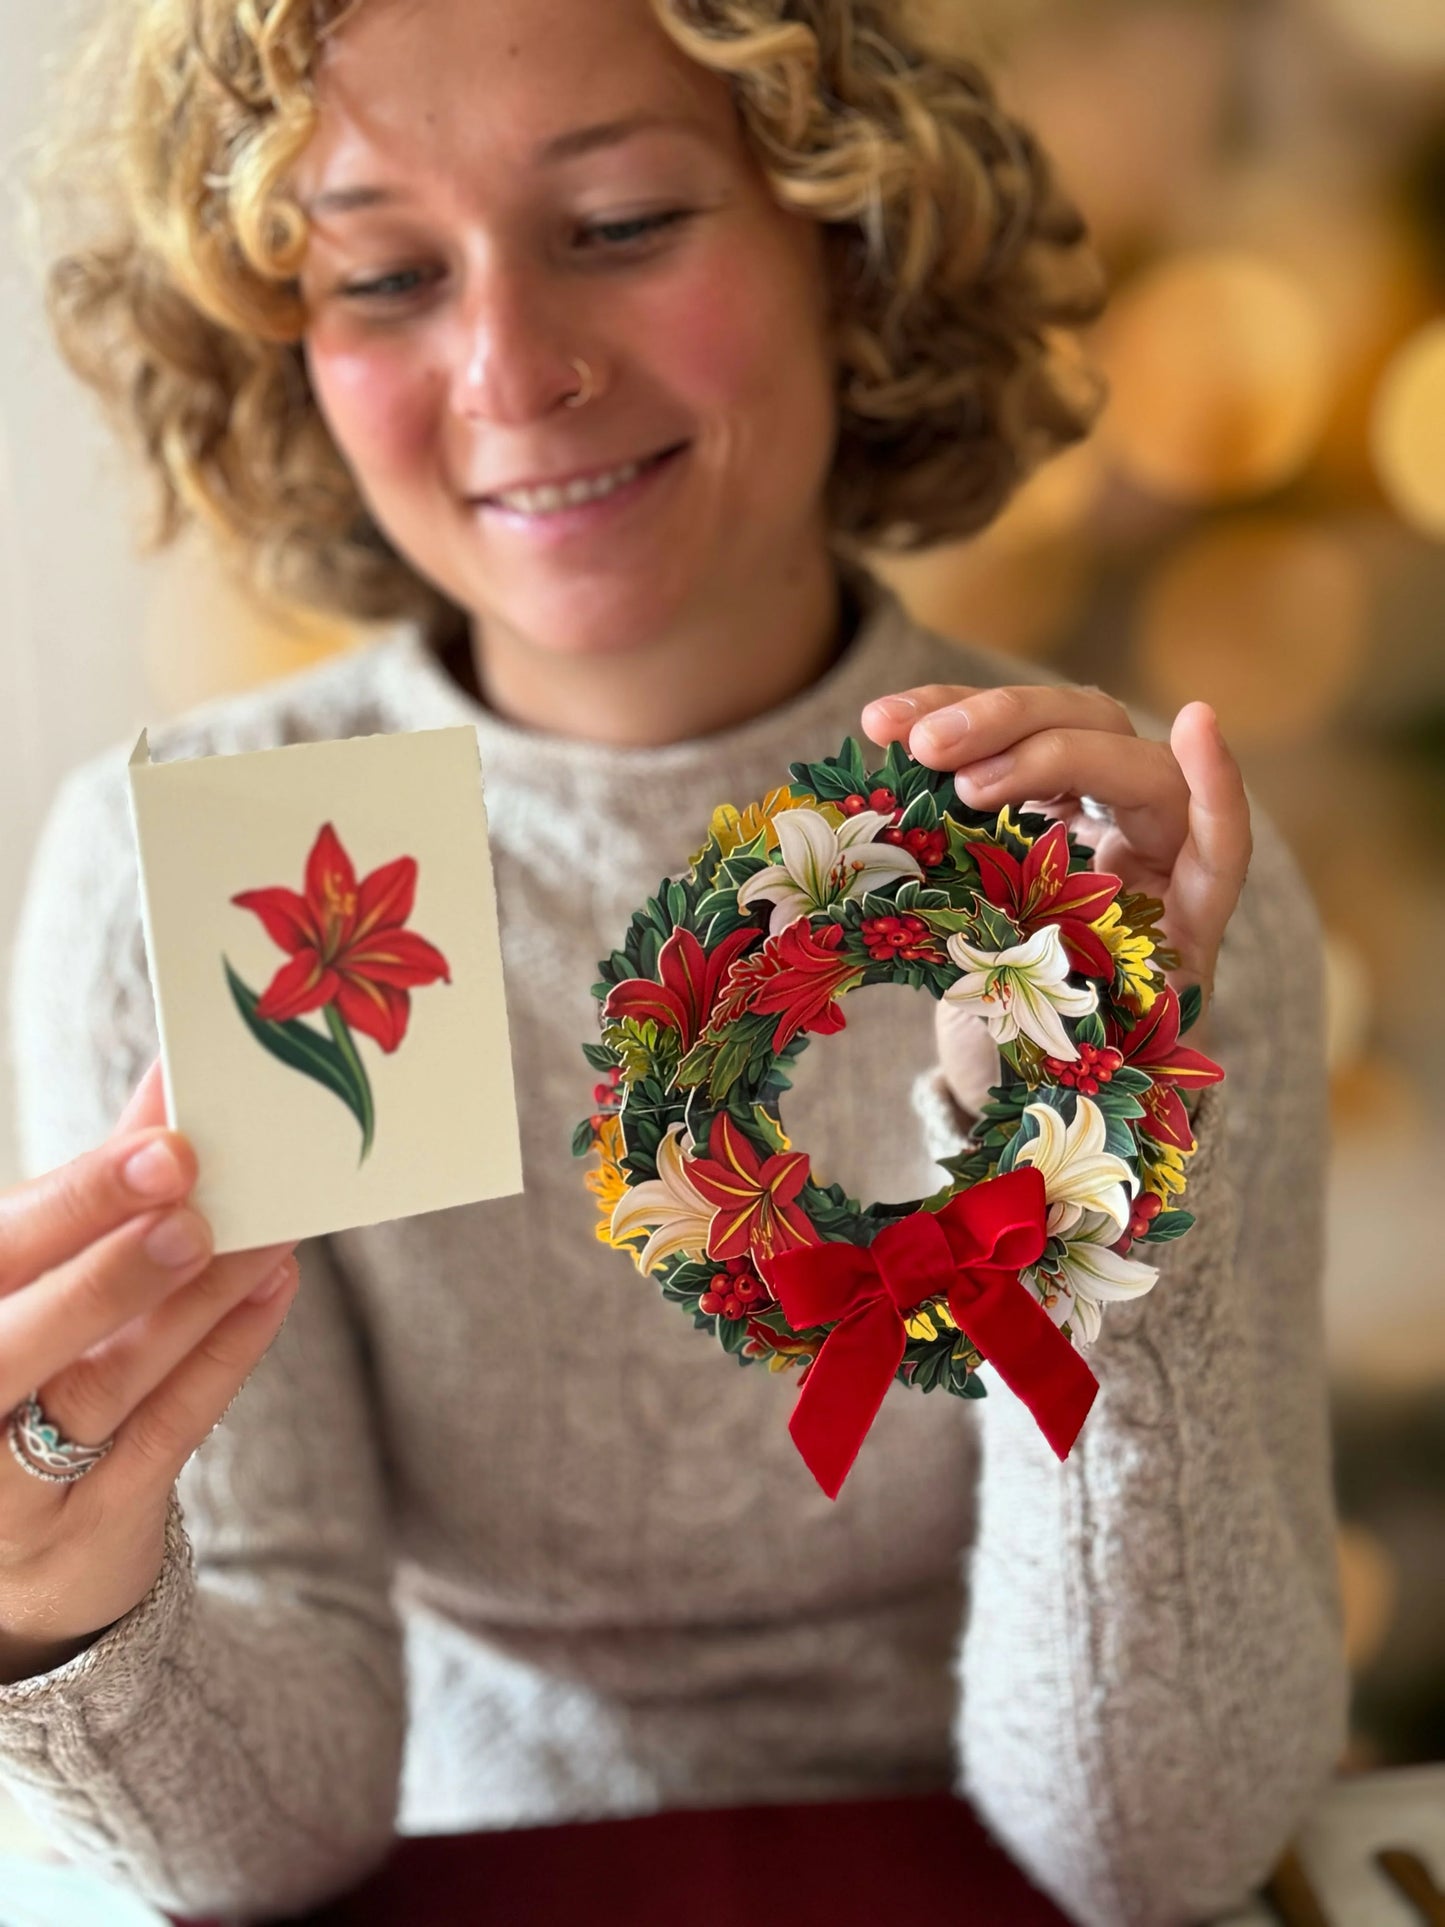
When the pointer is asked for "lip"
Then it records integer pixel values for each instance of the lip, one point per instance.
(488, 499)
(568, 524)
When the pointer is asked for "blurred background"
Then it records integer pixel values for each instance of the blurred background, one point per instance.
(1259, 521)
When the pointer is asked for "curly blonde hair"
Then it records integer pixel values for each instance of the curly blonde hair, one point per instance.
(957, 265)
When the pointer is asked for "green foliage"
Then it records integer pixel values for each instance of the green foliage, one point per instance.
(1189, 1006)
(992, 929)
(674, 903)
(331, 1061)
(1088, 1030)
(1166, 1227)
(582, 1139)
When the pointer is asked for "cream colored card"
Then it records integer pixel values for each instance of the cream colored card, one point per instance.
(334, 1044)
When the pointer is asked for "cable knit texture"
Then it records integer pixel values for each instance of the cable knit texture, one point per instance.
(492, 1536)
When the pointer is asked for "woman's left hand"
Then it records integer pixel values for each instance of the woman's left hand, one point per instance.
(1181, 831)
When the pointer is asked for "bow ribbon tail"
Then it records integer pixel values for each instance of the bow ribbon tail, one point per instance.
(1031, 1355)
(844, 1388)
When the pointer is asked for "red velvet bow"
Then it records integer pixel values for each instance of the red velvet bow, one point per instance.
(969, 1254)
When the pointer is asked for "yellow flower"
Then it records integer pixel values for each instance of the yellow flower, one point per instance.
(733, 827)
(921, 1325)
(608, 1182)
(1161, 1167)
(1131, 953)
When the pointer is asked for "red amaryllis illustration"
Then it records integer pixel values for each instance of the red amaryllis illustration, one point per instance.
(1153, 1045)
(756, 1197)
(797, 977)
(349, 958)
(690, 980)
(1040, 890)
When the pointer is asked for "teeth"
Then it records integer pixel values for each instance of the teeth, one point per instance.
(545, 501)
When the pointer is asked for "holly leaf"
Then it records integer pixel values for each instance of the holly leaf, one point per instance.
(994, 930)
(1166, 1227)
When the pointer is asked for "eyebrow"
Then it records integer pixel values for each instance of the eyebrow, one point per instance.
(561, 147)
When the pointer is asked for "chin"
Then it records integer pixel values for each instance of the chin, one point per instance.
(583, 616)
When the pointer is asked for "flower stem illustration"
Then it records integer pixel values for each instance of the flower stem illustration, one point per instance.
(350, 958)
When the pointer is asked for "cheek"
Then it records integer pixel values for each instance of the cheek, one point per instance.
(731, 338)
(374, 408)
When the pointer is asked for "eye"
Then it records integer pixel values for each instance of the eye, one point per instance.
(613, 235)
(630, 231)
(383, 288)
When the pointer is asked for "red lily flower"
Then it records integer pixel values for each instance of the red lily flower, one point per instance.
(797, 975)
(755, 1196)
(346, 943)
(1040, 890)
(1153, 1045)
(690, 976)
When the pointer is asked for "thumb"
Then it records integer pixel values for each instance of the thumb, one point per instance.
(146, 1105)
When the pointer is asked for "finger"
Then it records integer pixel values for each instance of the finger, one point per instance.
(888, 719)
(1139, 779)
(990, 721)
(95, 1393)
(1214, 859)
(49, 1220)
(112, 1281)
(154, 1443)
(147, 1102)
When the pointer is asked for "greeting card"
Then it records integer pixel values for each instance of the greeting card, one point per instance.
(321, 930)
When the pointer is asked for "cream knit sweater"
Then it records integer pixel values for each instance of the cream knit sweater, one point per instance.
(492, 1536)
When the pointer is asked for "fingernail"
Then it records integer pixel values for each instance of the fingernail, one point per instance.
(269, 1287)
(897, 709)
(153, 1170)
(942, 739)
(176, 1240)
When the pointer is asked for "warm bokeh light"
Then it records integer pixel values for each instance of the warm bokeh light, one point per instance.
(1407, 430)
(1111, 85)
(1408, 33)
(1265, 619)
(1016, 599)
(1349, 1000)
(1221, 375)
(1020, 585)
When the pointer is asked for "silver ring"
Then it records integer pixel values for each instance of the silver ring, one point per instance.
(39, 1449)
(1100, 812)
(580, 399)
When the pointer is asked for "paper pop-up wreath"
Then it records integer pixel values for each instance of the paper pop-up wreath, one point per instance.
(847, 877)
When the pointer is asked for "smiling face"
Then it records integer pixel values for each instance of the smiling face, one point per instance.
(497, 265)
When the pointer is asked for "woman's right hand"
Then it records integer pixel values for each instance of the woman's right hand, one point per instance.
(114, 1338)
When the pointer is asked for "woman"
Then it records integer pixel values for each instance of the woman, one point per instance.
(490, 1535)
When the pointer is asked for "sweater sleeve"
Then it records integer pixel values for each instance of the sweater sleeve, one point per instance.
(233, 1743)
(1152, 1681)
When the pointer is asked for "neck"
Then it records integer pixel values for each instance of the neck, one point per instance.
(717, 671)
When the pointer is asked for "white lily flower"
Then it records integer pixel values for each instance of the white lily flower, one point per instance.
(821, 866)
(1079, 1174)
(682, 1217)
(1090, 1274)
(1023, 991)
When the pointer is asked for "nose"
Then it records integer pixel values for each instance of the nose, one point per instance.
(514, 354)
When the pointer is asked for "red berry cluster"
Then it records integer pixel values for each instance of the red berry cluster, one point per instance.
(735, 1290)
(1146, 1209)
(907, 937)
(929, 846)
(882, 800)
(1095, 1065)
(606, 1098)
